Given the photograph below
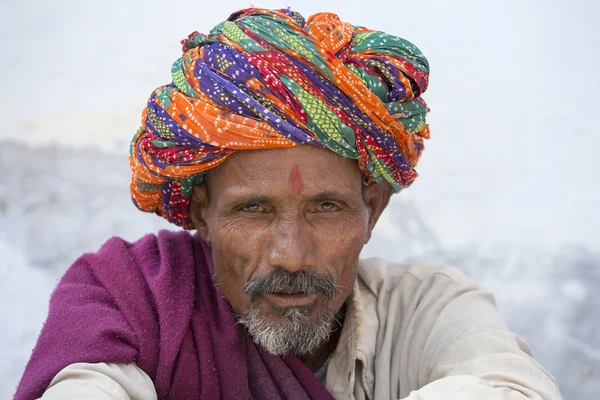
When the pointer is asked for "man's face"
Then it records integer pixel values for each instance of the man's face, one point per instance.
(286, 228)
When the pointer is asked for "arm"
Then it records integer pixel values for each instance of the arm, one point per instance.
(469, 353)
(101, 381)
(109, 307)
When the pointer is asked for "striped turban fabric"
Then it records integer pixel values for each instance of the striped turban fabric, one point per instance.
(271, 79)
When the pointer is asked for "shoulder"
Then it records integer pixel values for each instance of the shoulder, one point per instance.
(149, 245)
(158, 268)
(136, 278)
(130, 274)
(150, 255)
(381, 275)
(423, 294)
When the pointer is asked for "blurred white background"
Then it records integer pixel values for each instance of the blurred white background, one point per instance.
(508, 190)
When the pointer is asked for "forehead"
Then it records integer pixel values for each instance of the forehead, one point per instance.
(277, 169)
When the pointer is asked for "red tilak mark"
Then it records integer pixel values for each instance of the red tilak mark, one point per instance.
(295, 181)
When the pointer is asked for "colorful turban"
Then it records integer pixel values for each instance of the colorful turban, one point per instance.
(271, 79)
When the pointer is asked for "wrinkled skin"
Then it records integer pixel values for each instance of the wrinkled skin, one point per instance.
(303, 208)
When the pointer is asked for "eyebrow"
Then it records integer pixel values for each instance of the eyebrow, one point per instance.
(326, 196)
(259, 198)
(255, 199)
(317, 197)
(331, 195)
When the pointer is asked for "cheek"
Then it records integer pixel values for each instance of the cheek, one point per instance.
(347, 265)
(235, 256)
(340, 252)
(342, 239)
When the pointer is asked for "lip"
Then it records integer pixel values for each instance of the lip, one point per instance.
(284, 300)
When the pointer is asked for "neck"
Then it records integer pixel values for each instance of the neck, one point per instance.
(317, 358)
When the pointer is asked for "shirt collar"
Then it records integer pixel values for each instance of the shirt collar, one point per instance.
(352, 355)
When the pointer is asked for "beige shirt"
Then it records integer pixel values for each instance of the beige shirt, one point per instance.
(412, 331)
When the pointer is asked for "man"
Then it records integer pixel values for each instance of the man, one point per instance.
(280, 141)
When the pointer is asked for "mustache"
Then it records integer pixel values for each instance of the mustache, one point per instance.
(279, 280)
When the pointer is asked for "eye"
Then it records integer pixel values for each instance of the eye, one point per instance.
(327, 207)
(252, 208)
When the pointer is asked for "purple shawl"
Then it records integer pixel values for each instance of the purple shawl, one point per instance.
(154, 303)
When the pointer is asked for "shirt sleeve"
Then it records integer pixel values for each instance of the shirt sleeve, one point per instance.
(101, 381)
(465, 350)
(468, 388)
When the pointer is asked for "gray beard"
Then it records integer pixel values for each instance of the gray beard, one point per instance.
(293, 335)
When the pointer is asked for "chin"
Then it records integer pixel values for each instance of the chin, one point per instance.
(298, 330)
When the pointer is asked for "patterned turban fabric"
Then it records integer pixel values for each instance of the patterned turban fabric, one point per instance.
(271, 79)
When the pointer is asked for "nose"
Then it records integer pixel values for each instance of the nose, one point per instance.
(291, 245)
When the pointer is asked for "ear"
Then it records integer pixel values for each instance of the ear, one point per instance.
(377, 196)
(198, 208)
